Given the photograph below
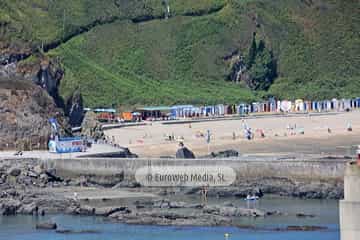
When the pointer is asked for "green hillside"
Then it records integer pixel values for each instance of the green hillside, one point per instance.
(126, 52)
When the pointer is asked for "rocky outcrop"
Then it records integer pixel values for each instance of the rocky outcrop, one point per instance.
(44, 72)
(91, 127)
(24, 113)
(75, 109)
(13, 52)
(184, 152)
(46, 226)
(21, 180)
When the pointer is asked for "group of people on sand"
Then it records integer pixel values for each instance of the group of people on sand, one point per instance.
(248, 133)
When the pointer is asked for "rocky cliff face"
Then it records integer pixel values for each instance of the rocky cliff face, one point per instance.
(24, 112)
(75, 109)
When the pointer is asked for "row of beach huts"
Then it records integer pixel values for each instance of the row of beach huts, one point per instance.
(190, 111)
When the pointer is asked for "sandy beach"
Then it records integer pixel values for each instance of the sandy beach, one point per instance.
(283, 135)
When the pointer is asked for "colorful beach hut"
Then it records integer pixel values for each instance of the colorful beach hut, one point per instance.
(299, 105)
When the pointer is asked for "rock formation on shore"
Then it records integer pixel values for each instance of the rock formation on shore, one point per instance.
(27, 187)
(25, 109)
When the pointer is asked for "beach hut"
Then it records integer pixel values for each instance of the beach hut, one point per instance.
(285, 106)
(278, 106)
(220, 110)
(243, 109)
(181, 111)
(154, 113)
(327, 105)
(314, 106)
(358, 102)
(127, 116)
(208, 111)
(347, 104)
(231, 109)
(299, 105)
(334, 104)
(307, 106)
(272, 105)
(353, 103)
(226, 109)
(322, 106)
(254, 107)
(264, 106)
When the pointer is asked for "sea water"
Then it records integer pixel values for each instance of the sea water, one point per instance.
(23, 227)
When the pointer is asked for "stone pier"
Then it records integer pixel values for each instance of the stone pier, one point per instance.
(350, 206)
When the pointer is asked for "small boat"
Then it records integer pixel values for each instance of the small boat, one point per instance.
(251, 198)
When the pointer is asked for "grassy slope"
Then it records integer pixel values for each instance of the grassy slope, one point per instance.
(181, 60)
(319, 50)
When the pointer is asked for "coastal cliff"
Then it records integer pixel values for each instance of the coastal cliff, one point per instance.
(24, 112)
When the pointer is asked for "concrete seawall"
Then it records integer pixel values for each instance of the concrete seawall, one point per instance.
(246, 168)
(350, 206)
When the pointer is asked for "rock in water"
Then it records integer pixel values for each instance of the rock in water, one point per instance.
(46, 226)
(9, 207)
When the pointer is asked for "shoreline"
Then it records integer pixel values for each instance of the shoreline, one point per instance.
(27, 187)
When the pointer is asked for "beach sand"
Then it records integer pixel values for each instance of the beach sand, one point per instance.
(150, 140)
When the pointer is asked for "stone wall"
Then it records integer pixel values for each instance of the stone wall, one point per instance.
(245, 168)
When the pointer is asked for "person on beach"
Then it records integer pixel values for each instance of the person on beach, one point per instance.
(204, 193)
(349, 127)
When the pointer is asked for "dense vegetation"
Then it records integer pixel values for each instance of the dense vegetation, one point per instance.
(125, 52)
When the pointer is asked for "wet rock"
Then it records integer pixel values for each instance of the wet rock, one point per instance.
(28, 209)
(32, 174)
(127, 184)
(14, 171)
(274, 213)
(177, 204)
(51, 177)
(195, 205)
(46, 226)
(304, 215)
(161, 203)
(174, 218)
(143, 203)
(233, 211)
(106, 211)
(86, 210)
(193, 190)
(71, 210)
(43, 177)
(38, 169)
(122, 211)
(70, 231)
(258, 192)
(305, 228)
(9, 207)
